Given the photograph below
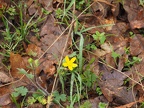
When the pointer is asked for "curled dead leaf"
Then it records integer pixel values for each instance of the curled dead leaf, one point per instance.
(105, 48)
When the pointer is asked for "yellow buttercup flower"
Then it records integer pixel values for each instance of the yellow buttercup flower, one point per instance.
(70, 63)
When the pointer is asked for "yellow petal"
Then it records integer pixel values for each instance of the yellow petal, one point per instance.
(67, 59)
(73, 59)
(74, 65)
(65, 64)
(70, 68)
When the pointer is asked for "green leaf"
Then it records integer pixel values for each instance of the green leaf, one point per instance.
(93, 47)
(95, 37)
(88, 78)
(15, 94)
(98, 90)
(30, 60)
(31, 100)
(80, 51)
(115, 55)
(86, 104)
(36, 63)
(22, 71)
(102, 105)
(102, 39)
(31, 76)
(41, 100)
(99, 37)
(63, 97)
(59, 97)
(20, 91)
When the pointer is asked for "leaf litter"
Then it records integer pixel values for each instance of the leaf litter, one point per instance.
(120, 19)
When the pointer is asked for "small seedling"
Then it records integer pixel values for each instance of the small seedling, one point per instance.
(88, 78)
(131, 62)
(33, 63)
(131, 34)
(45, 11)
(126, 81)
(101, 37)
(37, 96)
(59, 13)
(86, 104)
(115, 56)
(134, 60)
(31, 100)
(59, 97)
(91, 46)
(17, 92)
(127, 50)
(98, 90)
(11, 11)
(102, 105)
(20, 91)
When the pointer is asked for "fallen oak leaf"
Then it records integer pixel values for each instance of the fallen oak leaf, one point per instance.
(4, 78)
(5, 99)
(17, 61)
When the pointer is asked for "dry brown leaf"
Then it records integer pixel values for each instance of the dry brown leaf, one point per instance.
(102, 6)
(141, 99)
(4, 78)
(29, 3)
(34, 51)
(130, 105)
(111, 85)
(135, 13)
(47, 4)
(49, 33)
(47, 66)
(136, 45)
(137, 24)
(110, 60)
(5, 100)
(5, 89)
(35, 41)
(109, 22)
(127, 105)
(16, 61)
(32, 9)
(105, 48)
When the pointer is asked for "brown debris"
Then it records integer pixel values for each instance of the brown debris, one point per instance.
(4, 78)
(17, 61)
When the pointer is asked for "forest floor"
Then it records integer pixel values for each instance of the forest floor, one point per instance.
(72, 54)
